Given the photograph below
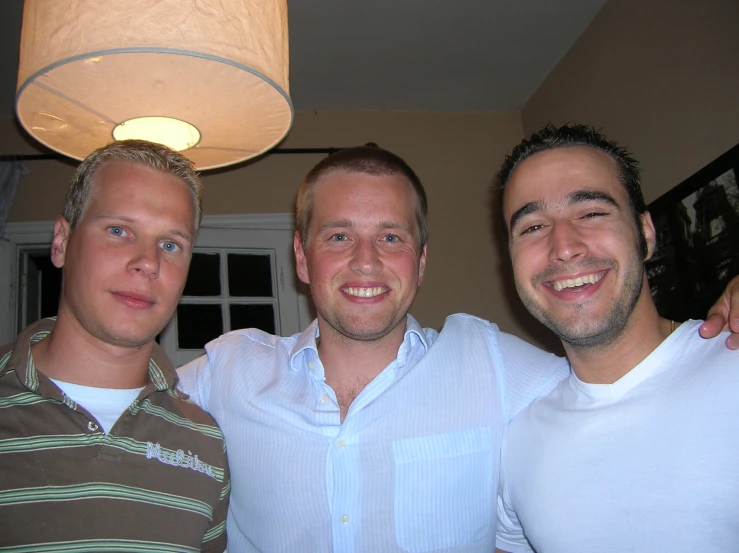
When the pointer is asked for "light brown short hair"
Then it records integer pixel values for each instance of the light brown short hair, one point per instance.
(370, 160)
(156, 156)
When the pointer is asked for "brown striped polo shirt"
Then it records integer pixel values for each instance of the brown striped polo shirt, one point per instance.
(157, 482)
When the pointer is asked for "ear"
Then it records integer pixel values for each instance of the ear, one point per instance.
(59, 241)
(649, 233)
(422, 265)
(301, 263)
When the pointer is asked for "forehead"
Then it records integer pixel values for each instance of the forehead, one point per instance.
(122, 186)
(343, 193)
(552, 175)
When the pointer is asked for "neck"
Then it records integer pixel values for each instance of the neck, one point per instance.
(71, 354)
(351, 364)
(346, 358)
(607, 363)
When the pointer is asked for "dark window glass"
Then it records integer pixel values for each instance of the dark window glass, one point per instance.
(261, 316)
(197, 325)
(249, 275)
(204, 278)
(51, 283)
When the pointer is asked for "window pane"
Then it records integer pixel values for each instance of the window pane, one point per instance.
(261, 316)
(197, 325)
(249, 275)
(51, 283)
(204, 278)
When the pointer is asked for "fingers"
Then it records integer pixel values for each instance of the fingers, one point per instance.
(713, 326)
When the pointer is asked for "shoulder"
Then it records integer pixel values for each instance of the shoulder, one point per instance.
(179, 403)
(466, 321)
(686, 345)
(687, 348)
(250, 341)
(188, 422)
(469, 334)
(473, 332)
(688, 335)
(464, 327)
(247, 337)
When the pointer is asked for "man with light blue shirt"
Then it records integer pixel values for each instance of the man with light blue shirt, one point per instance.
(366, 432)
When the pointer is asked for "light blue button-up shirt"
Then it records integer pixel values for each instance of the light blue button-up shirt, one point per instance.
(414, 465)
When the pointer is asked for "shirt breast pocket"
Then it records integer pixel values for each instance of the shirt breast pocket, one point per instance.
(443, 489)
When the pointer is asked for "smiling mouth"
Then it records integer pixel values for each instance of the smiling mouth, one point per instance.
(364, 292)
(567, 283)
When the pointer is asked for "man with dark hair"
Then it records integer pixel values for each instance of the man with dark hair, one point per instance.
(98, 449)
(636, 450)
(366, 432)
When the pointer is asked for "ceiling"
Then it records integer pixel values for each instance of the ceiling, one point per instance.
(446, 55)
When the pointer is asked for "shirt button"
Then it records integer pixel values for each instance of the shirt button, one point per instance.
(340, 443)
(344, 519)
(324, 398)
(311, 365)
(92, 427)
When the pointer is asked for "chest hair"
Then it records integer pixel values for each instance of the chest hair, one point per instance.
(348, 392)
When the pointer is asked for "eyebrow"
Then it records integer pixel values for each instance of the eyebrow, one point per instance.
(341, 223)
(389, 225)
(531, 207)
(578, 196)
(186, 235)
(346, 223)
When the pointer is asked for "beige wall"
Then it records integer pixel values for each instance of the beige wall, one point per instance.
(661, 76)
(454, 154)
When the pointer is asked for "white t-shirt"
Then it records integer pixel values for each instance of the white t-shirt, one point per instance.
(647, 464)
(105, 404)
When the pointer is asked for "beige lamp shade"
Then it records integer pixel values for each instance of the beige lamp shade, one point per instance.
(207, 77)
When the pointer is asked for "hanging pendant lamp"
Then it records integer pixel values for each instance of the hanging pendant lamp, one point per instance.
(206, 77)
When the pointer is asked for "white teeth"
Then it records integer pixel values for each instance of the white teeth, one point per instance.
(364, 292)
(560, 285)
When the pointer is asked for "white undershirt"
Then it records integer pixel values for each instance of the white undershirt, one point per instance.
(105, 404)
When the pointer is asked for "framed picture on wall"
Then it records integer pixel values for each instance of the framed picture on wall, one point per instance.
(697, 253)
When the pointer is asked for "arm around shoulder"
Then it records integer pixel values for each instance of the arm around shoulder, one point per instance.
(725, 309)
(528, 372)
(195, 379)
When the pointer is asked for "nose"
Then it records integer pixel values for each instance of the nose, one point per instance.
(365, 258)
(566, 242)
(145, 259)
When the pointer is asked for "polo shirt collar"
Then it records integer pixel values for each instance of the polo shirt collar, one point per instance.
(162, 374)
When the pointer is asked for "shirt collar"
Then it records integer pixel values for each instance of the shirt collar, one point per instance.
(306, 342)
(162, 374)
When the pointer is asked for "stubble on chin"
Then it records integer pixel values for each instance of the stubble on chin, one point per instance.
(584, 332)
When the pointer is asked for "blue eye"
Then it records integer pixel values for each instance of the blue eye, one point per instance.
(392, 238)
(117, 231)
(171, 247)
(339, 237)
